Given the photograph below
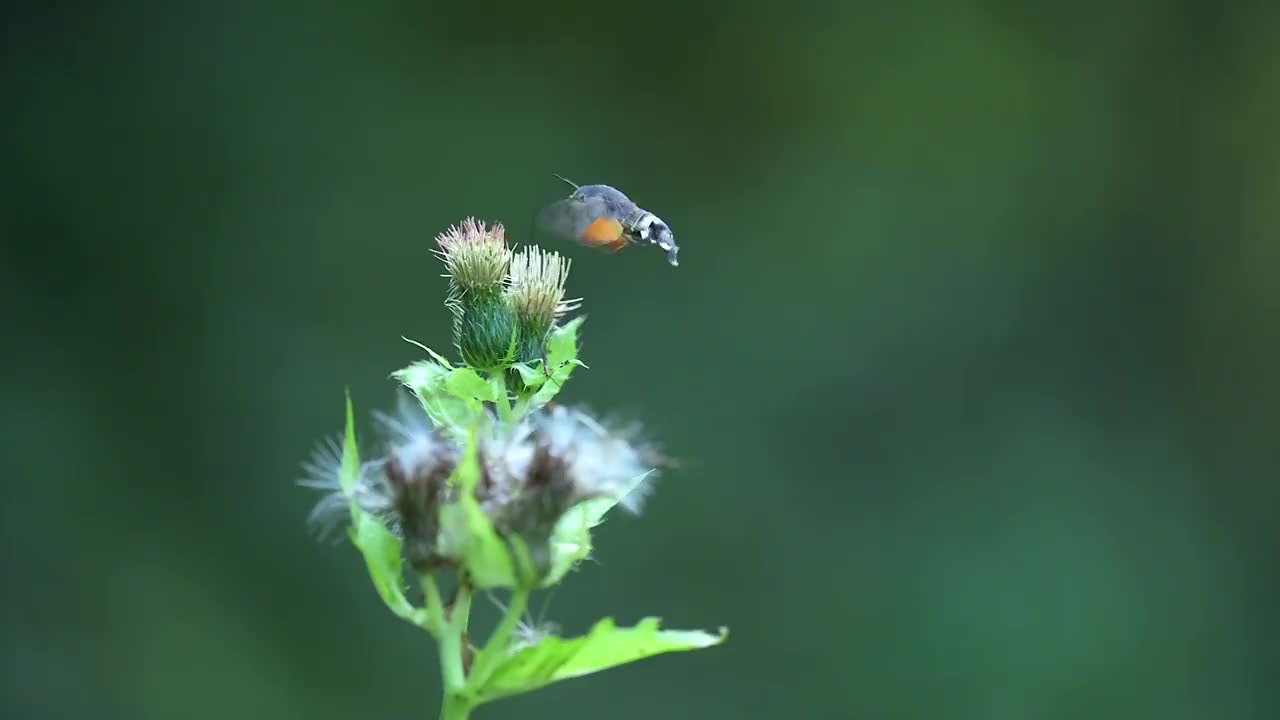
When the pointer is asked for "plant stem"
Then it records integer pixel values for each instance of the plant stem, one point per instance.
(499, 380)
(461, 613)
(452, 638)
(455, 707)
(435, 606)
(487, 659)
(451, 670)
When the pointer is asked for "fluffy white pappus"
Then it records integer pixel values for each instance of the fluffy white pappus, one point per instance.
(601, 461)
(528, 632)
(506, 453)
(410, 419)
(323, 472)
(412, 441)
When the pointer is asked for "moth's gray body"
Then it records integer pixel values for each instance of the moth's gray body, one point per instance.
(570, 218)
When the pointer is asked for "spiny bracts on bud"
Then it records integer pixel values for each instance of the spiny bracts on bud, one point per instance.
(532, 473)
(485, 330)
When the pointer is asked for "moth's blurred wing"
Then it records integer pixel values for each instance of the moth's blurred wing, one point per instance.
(586, 221)
(560, 218)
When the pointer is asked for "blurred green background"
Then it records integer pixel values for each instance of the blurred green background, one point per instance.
(971, 357)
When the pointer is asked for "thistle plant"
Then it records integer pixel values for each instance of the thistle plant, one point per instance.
(481, 484)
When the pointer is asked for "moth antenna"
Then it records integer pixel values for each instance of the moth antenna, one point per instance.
(570, 182)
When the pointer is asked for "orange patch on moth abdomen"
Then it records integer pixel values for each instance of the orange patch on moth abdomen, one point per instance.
(604, 231)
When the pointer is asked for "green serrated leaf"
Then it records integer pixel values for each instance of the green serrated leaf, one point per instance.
(606, 646)
(422, 373)
(469, 533)
(427, 379)
(381, 552)
(437, 356)
(512, 345)
(562, 346)
(571, 539)
(381, 549)
(532, 374)
(467, 384)
(349, 472)
(562, 358)
(570, 543)
(551, 387)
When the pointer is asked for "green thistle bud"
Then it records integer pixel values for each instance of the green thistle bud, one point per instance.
(484, 329)
(484, 323)
(537, 281)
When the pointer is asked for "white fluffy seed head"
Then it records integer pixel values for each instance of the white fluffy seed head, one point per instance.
(603, 461)
(532, 473)
(411, 444)
(411, 438)
(323, 471)
(595, 461)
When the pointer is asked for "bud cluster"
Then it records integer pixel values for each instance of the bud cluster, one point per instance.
(504, 303)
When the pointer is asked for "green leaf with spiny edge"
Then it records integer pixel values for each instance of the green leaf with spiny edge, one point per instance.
(381, 549)
(422, 374)
(349, 470)
(571, 538)
(562, 345)
(434, 355)
(555, 658)
(562, 358)
(427, 379)
(468, 533)
(549, 389)
(570, 542)
(466, 384)
(532, 374)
